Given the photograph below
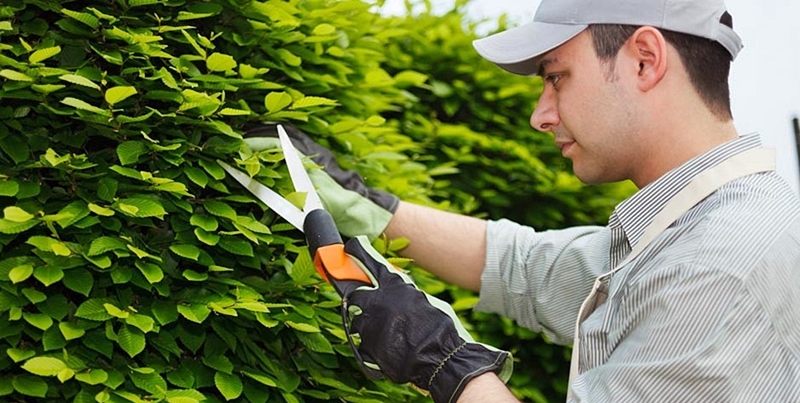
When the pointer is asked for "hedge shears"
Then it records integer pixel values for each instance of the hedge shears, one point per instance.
(324, 242)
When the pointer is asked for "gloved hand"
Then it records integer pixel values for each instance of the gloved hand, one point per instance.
(410, 336)
(356, 208)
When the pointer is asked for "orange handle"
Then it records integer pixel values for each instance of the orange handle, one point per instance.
(332, 263)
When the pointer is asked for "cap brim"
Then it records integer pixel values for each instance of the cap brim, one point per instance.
(515, 49)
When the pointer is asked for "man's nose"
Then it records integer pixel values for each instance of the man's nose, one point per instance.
(545, 115)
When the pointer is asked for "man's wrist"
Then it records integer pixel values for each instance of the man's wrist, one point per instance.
(486, 387)
(467, 361)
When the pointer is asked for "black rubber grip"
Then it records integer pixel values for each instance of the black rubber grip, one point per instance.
(320, 230)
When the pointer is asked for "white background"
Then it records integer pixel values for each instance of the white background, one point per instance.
(765, 77)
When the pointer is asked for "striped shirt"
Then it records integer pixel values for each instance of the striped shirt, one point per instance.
(708, 312)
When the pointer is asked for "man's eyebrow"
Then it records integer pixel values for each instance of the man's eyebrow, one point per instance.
(543, 64)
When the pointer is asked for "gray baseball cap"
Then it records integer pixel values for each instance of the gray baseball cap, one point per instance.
(558, 21)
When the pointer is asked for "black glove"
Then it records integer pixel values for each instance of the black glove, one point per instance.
(349, 180)
(410, 336)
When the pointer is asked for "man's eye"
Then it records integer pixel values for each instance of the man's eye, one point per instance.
(553, 79)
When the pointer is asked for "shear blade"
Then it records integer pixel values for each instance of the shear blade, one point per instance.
(272, 199)
(300, 179)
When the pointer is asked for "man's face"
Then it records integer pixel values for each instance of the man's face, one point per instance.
(587, 105)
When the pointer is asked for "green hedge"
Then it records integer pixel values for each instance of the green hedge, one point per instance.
(134, 270)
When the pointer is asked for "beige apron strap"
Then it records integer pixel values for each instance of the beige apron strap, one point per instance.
(704, 184)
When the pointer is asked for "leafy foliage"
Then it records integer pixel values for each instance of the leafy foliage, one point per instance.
(134, 270)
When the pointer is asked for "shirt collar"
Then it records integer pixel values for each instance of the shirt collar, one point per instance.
(636, 212)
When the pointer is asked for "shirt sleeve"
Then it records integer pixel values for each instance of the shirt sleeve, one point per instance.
(540, 279)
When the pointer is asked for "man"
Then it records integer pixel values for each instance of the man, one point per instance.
(694, 285)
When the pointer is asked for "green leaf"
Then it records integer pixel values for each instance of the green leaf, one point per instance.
(200, 51)
(288, 57)
(303, 327)
(303, 268)
(48, 244)
(20, 273)
(127, 172)
(186, 251)
(10, 227)
(142, 322)
(79, 280)
(130, 151)
(236, 246)
(261, 378)
(234, 112)
(115, 312)
(65, 375)
(92, 377)
(213, 169)
(38, 320)
(205, 222)
(323, 29)
(194, 312)
(54, 159)
(111, 56)
(116, 95)
(30, 386)
(220, 62)
(85, 18)
(181, 377)
(19, 151)
(131, 340)
(71, 213)
(105, 244)
(140, 207)
(139, 3)
(80, 80)
(216, 268)
(48, 275)
(20, 355)
(315, 342)
(47, 88)
(173, 187)
(208, 238)
(219, 363)
(16, 214)
(107, 189)
(93, 309)
(197, 175)
(307, 102)
(15, 75)
(71, 331)
(224, 128)
(128, 119)
(220, 209)
(253, 225)
(165, 312)
(91, 221)
(275, 101)
(152, 273)
(44, 54)
(200, 10)
(192, 275)
(229, 385)
(83, 105)
(11, 188)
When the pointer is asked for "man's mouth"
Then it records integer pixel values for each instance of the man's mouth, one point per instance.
(565, 146)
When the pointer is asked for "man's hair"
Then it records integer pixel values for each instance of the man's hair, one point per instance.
(707, 62)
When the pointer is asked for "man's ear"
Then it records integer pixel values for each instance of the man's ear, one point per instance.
(648, 48)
